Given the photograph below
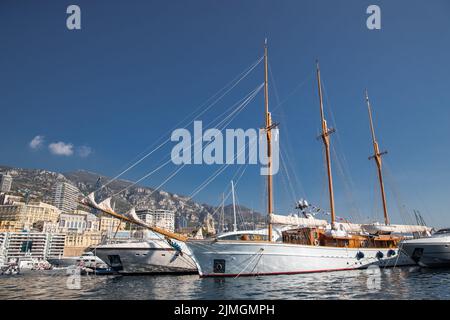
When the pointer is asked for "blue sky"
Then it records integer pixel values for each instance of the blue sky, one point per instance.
(137, 68)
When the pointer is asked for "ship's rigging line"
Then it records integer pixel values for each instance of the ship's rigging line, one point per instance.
(223, 123)
(188, 261)
(374, 195)
(258, 254)
(405, 214)
(232, 84)
(288, 184)
(289, 188)
(164, 239)
(218, 172)
(288, 165)
(296, 88)
(215, 175)
(240, 215)
(342, 163)
(236, 181)
(346, 188)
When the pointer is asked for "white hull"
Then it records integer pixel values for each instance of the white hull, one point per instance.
(246, 258)
(151, 256)
(429, 252)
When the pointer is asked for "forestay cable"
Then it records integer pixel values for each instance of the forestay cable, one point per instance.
(246, 101)
(233, 84)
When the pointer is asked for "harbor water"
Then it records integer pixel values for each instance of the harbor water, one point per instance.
(395, 283)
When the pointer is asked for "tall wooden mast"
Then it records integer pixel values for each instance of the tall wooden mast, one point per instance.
(234, 208)
(268, 130)
(326, 141)
(222, 218)
(377, 157)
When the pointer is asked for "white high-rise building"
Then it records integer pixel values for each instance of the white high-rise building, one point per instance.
(5, 182)
(37, 245)
(164, 219)
(65, 197)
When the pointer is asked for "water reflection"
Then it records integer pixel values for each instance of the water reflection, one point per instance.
(397, 283)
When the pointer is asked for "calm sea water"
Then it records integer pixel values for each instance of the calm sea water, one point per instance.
(398, 283)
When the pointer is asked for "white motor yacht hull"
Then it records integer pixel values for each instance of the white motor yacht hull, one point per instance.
(428, 252)
(154, 257)
(248, 258)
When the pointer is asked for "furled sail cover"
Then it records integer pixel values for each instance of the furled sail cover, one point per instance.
(90, 201)
(297, 221)
(348, 227)
(131, 213)
(133, 216)
(199, 234)
(105, 205)
(395, 228)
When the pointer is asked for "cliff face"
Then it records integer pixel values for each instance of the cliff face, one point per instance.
(37, 184)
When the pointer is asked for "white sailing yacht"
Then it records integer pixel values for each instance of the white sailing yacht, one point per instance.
(156, 251)
(315, 245)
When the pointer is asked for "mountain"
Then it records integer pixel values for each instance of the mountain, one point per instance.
(37, 184)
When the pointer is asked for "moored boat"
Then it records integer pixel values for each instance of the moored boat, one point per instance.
(147, 256)
(64, 262)
(432, 251)
(315, 245)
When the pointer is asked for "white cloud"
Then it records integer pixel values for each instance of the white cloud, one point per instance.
(61, 148)
(37, 142)
(84, 151)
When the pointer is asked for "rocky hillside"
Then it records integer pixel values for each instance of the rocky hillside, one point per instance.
(37, 184)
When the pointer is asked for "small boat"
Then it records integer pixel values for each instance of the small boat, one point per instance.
(11, 269)
(89, 260)
(64, 262)
(98, 270)
(28, 263)
(432, 251)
